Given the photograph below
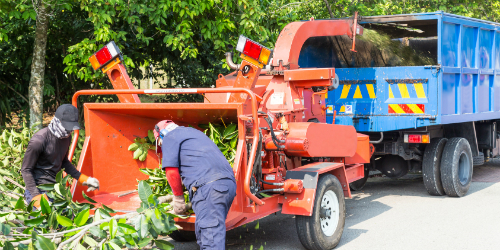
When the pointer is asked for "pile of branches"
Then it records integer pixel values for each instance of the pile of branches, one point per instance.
(66, 224)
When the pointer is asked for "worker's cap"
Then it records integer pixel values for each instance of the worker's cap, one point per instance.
(163, 125)
(68, 115)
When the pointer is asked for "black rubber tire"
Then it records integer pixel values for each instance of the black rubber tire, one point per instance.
(431, 166)
(309, 227)
(360, 184)
(456, 167)
(183, 236)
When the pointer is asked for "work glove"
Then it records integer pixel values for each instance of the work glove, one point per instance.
(179, 205)
(92, 183)
(37, 200)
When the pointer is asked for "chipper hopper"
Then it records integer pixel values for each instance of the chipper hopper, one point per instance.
(288, 159)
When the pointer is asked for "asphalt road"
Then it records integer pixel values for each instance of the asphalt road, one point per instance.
(395, 214)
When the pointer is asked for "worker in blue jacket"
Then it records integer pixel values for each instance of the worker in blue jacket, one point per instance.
(188, 154)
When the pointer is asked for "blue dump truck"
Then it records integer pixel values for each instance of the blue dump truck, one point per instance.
(438, 118)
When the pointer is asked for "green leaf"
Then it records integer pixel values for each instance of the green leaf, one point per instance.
(134, 146)
(8, 246)
(113, 228)
(44, 243)
(46, 187)
(126, 228)
(138, 153)
(64, 221)
(114, 246)
(20, 204)
(144, 191)
(91, 242)
(46, 209)
(97, 232)
(151, 136)
(109, 210)
(230, 129)
(144, 242)
(53, 220)
(82, 217)
(88, 198)
(5, 229)
(233, 142)
(34, 222)
(59, 176)
(144, 155)
(164, 245)
(60, 189)
(142, 226)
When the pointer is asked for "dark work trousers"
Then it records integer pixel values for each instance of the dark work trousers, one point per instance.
(211, 203)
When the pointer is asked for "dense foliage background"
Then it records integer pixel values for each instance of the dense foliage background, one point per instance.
(184, 40)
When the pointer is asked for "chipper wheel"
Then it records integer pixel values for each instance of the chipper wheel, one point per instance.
(324, 228)
(431, 166)
(183, 236)
(456, 167)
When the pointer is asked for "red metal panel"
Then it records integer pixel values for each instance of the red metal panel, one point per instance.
(299, 204)
(309, 74)
(340, 173)
(120, 80)
(354, 172)
(363, 152)
(324, 140)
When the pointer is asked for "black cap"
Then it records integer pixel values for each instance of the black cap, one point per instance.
(68, 115)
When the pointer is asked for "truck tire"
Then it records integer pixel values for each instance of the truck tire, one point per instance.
(183, 236)
(456, 167)
(324, 228)
(359, 184)
(431, 166)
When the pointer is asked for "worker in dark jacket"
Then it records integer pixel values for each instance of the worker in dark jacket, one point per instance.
(47, 154)
(189, 154)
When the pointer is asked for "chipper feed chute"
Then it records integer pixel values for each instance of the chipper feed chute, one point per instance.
(287, 158)
(111, 128)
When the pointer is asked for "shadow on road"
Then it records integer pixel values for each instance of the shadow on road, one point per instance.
(279, 232)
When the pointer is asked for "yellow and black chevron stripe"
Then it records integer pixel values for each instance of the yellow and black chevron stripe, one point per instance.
(358, 89)
(407, 88)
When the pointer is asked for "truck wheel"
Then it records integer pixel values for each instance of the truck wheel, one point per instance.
(183, 236)
(431, 166)
(456, 167)
(360, 184)
(324, 228)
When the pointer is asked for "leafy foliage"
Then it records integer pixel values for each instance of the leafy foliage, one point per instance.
(71, 223)
(13, 145)
(142, 145)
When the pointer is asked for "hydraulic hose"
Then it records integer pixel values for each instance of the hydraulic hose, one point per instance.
(271, 190)
(273, 183)
(276, 141)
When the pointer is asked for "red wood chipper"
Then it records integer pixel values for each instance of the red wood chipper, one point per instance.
(285, 149)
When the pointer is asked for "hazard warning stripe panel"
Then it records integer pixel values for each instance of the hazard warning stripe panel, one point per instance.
(406, 108)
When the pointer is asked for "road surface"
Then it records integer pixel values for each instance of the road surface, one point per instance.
(395, 214)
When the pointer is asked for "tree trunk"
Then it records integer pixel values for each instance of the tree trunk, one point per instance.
(329, 9)
(38, 66)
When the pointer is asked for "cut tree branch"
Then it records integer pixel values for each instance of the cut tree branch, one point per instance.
(10, 87)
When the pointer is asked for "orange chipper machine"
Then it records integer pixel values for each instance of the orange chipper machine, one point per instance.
(285, 149)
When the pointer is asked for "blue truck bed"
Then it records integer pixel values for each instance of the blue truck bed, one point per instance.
(464, 85)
